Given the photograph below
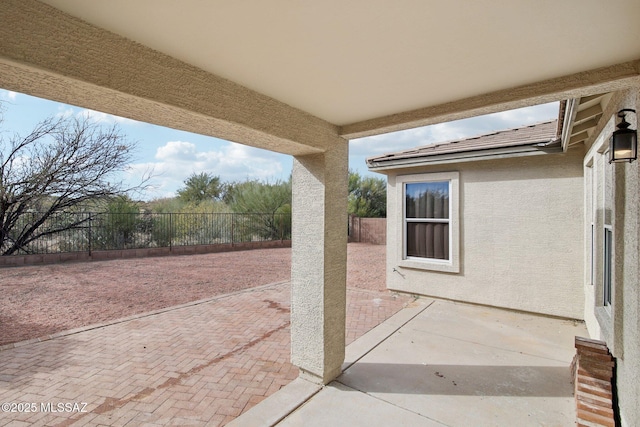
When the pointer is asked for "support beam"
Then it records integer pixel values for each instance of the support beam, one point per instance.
(591, 123)
(579, 137)
(598, 96)
(319, 256)
(607, 79)
(47, 53)
(588, 113)
(608, 114)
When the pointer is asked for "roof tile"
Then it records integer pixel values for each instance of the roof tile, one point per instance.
(526, 135)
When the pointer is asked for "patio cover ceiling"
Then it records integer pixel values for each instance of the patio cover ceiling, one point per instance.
(373, 66)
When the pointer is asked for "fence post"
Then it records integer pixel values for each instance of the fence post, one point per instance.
(170, 232)
(90, 234)
(233, 220)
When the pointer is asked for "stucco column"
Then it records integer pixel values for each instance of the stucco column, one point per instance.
(319, 262)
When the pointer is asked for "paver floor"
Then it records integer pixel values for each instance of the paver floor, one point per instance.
(198, 364)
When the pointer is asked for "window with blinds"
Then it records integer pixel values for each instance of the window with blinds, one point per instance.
(427, 220)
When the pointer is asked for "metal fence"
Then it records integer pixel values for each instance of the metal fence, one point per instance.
(86, 232)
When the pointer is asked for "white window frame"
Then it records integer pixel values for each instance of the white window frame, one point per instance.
(604, 201)
(451, 265)
(592, 265)
(592, 208)
(607, 267)
(607, 205)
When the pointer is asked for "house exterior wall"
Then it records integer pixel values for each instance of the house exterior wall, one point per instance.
(520, 237)
(616, 196)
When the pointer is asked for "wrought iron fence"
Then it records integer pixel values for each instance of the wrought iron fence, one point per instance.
(86, 232)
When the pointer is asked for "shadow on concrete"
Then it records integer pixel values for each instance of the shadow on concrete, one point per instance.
(463, 380)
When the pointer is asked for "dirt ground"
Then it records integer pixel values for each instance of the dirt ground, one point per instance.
(41, 300)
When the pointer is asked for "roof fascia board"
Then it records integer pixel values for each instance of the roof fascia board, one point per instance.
(605, 79)
(496, 153)
(569, 116)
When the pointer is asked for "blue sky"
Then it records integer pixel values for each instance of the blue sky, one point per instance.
(173, 155)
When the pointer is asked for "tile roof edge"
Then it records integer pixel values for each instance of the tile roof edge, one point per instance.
(415, 151)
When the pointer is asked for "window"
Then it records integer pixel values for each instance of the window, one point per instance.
(427, 219)
(592, 209)
(606, 278)
(430, 226)
(592, 278)
(604, 208)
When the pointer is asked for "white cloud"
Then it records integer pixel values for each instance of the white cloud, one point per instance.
(360, 149)
(64, 111)
(177, 160)
(448, 131)
(97, 116)
(176, 151)
(8, 95)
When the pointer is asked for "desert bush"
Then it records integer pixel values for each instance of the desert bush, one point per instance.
(119, 226)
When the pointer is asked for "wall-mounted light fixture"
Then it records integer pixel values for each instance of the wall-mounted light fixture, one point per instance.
(623, 146)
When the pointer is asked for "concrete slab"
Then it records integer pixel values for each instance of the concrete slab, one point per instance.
(268, 412)
(466, 365)
(338, 405)
(527, 333)
(377, 335)
(441, 363)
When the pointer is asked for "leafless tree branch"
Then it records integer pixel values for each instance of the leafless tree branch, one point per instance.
(60, 166)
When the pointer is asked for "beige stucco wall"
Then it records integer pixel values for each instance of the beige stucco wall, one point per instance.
(318, 263)
(521, 241)
(619, 324)
(627, 178)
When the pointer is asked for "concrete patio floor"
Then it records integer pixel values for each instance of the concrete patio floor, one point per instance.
(439, 363)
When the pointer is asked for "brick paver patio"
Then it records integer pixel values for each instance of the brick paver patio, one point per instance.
(196, 364)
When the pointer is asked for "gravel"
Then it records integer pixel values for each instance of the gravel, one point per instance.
(46, 299)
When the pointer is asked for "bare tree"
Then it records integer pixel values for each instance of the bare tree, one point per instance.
(61, 165)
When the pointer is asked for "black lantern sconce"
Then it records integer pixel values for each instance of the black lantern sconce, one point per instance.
(623, 146)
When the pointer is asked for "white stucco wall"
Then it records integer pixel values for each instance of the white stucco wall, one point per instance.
(521, 235)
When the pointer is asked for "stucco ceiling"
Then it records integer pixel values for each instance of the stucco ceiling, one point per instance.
(350, 61)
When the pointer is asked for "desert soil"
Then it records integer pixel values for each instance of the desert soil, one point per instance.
(41, 300)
